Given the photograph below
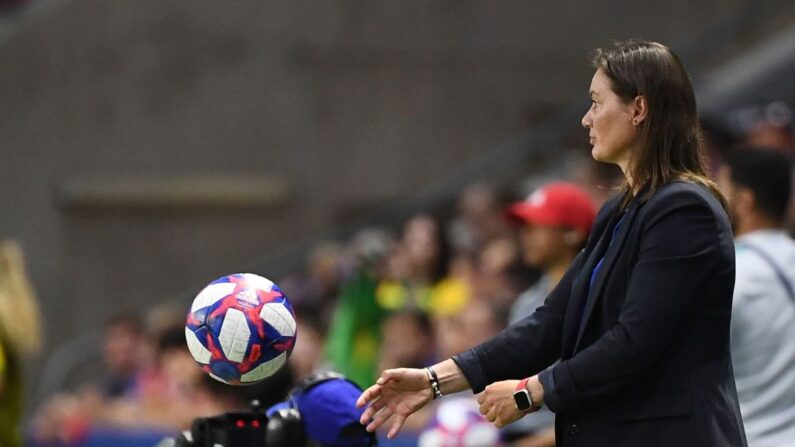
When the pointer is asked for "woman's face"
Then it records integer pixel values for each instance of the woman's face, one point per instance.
(609, 121)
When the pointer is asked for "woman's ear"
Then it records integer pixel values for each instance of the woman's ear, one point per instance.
(639, 111)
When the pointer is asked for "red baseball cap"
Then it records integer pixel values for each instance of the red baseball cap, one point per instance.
(558, 204)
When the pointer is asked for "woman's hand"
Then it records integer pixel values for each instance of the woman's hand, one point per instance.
(497, 403)
(399, 393)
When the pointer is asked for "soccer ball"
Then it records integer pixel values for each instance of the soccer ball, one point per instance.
(241, 329)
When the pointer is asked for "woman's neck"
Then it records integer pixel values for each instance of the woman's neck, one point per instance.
(624, 165)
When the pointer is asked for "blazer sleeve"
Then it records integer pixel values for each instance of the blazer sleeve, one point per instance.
(527, 346)
(677, 254)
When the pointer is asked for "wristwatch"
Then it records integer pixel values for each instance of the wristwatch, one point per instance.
(522, 397)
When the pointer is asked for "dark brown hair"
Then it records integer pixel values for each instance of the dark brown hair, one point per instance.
(671, 147)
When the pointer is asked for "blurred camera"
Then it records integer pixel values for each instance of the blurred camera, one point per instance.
(227, 430)
(319, 411)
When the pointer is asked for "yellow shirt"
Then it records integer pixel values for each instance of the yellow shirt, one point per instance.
(446, 297)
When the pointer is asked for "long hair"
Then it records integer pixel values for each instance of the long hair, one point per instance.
(671, 146)
(20, 326)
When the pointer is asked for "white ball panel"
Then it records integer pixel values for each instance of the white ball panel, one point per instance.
(212, 294)
(248, 295)
(196, 348)
(264, 370)
(276, 315)
(234, 335)
(218, 378)
(258, 282)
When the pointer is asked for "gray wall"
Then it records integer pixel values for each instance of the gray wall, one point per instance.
(349, 103)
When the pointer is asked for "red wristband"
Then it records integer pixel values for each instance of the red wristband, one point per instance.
(522, 384)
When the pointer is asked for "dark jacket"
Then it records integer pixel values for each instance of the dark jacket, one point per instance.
(644, 349)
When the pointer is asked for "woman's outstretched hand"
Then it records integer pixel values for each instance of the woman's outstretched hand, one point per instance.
(399, 393)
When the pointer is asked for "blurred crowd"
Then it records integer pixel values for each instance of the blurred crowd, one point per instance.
(441, 282)
(151, 389)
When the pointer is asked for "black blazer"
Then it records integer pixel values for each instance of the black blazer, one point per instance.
(644, 350)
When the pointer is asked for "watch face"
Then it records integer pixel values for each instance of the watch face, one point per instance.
(522, 399)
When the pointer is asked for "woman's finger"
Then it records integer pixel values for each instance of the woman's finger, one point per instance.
(367, 395)
(481, 398)
(367, 415)
(396, 425)
(380, 417)
(389, 374)
(377, 404)
(484, 408)
(372, 410)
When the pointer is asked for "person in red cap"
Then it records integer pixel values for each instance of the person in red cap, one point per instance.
(556, 220)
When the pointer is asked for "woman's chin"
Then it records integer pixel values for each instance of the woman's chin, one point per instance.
(599, 155)
(596, 154)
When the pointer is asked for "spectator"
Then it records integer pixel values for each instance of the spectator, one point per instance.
(757, 185)
(123, 351)
(501, 273)
(166, 399)
(477, 322)
(355, 333)
(20, 335)
(767, 126)
(316, 288)
(480, 218)
(307, 356)
(418, 272)
(325, 265)
(406, 337)
(718, 140)
(556, 221)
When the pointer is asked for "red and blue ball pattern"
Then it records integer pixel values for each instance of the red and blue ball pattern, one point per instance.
(241, 329)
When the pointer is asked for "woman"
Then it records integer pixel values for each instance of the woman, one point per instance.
(640, 321)
(419, 272)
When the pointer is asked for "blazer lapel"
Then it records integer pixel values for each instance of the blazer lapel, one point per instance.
(579, 289)
(593, 294)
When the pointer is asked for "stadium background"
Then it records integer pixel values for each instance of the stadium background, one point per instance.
(151, 146)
